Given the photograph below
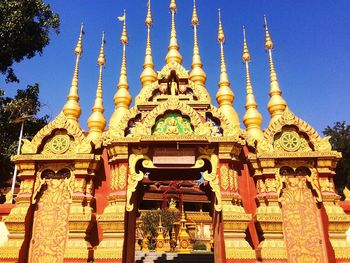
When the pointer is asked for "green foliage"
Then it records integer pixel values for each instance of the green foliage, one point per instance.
(150, 222)
(199, 246)
(169, 217)
(340, 140)
(24, 32)
(26, 102)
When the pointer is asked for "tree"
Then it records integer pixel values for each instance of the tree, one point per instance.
(24, 32)
(150, 222)
(26, 102)
(340, 140)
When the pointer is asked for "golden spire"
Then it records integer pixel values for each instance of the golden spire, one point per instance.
(276, 104)
(97, 121)
(122, 97)
(72, 108)
(197, 74)
(225, 96)
(148, 75)
(252, 118)
(173, 48)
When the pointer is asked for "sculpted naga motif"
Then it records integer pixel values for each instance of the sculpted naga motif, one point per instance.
(134, 177)
(212, 178)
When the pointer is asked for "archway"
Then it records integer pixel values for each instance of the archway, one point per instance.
(181, 176)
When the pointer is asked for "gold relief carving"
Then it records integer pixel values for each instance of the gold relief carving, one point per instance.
(290, 141)
(264, 146)
(279, 183)
(296, 163)
(89, 187)
(50, 226)
(233, 175)
(134, 177)
(165, 72)
(60, 144)
(173, 103)
(300, 215)
(117, 129)
(122, 176)
(40, 182)
(324, 145)
(26, 187)
(115, 177)
(60, 122)
(326, 185)
(271, 185)
(261, 186)
(206, 150)
(224, 177)
(212, 178)
(313, 180)
(288, 118)
(346, 193)
(79, 185)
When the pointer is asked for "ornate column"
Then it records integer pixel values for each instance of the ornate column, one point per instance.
(112, 221)
(268, 217)
(338, 221)
(19, 221)
(235, 219)
(81, 215)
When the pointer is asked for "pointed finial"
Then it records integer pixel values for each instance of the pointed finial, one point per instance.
(221, 35)
(124, 37)
(101, 61)
(246, 54)
(148, 75)
(197, 74)
(173, 48)
(149, 19)
(97, 121)
(276, 104)
(252, 118)
(172, 6)
(268, 39)
(225, 96)
(195, 20)
(72, 108)
(122, 97)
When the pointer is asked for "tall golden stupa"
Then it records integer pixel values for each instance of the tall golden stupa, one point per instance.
(248, 194)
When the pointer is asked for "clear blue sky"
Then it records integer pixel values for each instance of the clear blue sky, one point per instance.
(312, 57)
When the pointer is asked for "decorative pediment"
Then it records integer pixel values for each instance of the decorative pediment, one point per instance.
(58, 137)
(181, 72)
(176, 118)
(290, 133)
(153, 94)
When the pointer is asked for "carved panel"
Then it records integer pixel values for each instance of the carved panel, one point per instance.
(301, 221)
(224, 177)
(51, 223)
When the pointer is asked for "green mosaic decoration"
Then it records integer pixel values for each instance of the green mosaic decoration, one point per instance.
(172, 124)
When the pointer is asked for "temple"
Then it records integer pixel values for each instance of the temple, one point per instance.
(238, 194)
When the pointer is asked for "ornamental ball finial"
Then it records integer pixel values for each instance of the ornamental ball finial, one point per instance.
(172, 6)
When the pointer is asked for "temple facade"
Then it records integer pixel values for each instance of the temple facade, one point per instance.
(248, 194)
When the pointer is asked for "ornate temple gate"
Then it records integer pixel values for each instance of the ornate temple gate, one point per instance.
(199, 159)
(88, 181)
